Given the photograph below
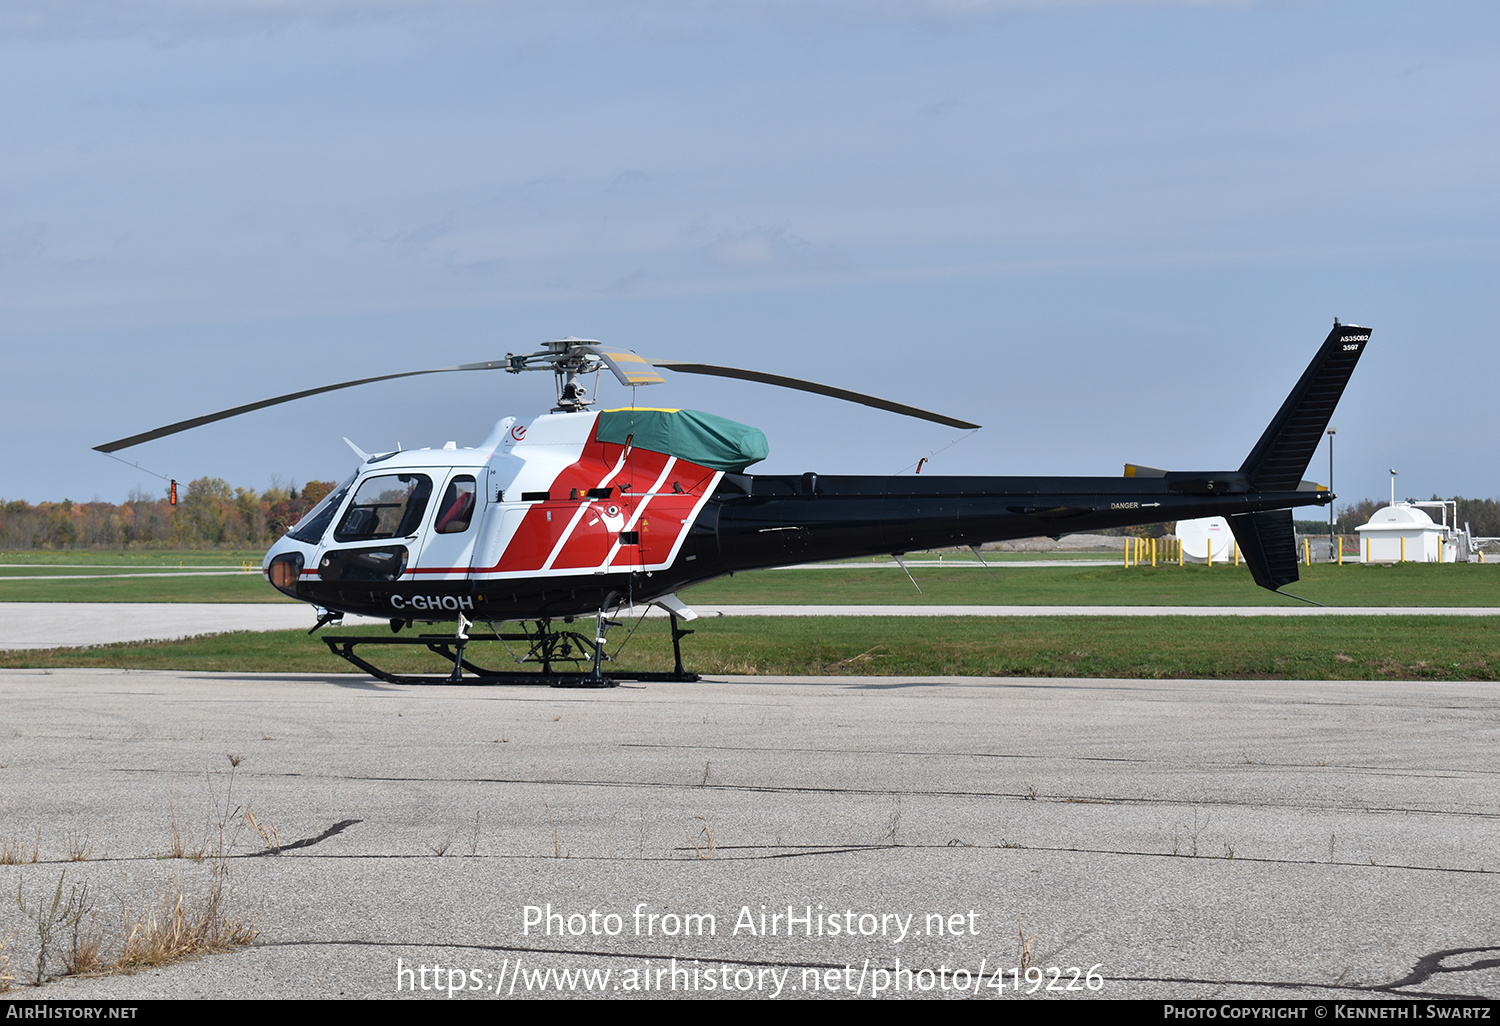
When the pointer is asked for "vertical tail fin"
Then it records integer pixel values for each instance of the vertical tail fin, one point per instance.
(1280, 458)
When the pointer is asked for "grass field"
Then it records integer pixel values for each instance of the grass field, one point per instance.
(1406, 584)
(1304, 648)
(166, 576)
(88, 577)
(1336, 648)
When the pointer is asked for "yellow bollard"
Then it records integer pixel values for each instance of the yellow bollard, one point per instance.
(1306, 551)
(1127, 552)
(1236, 552)
(1210, 553)
(1403, 550)
(1341, 550)
(1367, 550)
(1153, 552)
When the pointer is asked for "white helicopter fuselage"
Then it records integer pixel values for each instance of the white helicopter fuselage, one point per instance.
(427, 534)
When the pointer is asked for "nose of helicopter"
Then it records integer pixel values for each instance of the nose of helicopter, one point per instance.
(284, 562)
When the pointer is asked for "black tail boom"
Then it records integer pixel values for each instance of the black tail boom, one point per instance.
(763, 521)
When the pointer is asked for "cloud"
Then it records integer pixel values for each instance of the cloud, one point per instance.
(759, 247)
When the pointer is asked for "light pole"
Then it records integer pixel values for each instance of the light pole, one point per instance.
(1331, 433)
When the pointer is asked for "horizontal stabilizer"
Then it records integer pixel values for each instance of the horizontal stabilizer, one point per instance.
(676, 606)
(1268, 545)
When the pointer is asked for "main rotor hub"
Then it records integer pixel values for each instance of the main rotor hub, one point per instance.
(568, 359)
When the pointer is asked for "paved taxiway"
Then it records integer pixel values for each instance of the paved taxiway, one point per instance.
(27, 625)
(1188, 839)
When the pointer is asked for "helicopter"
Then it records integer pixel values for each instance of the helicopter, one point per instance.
(582, 512)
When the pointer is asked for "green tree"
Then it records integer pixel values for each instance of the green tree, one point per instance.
(203, 512)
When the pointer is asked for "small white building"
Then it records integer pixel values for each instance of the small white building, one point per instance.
(1403, 531)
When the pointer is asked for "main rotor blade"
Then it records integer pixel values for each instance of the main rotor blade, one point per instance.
(185, 425)
(810, 386)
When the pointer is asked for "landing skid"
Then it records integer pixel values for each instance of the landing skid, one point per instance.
(545, 646)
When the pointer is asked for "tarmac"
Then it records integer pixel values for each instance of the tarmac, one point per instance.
(34, 625)
(764, 837)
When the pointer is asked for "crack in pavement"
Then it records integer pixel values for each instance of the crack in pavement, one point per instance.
(307, 842)
(1429, 966)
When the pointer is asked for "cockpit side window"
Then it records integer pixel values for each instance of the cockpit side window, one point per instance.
(457, 507)
(388, 506)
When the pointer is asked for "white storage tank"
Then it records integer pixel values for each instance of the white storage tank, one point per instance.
(1200, 537)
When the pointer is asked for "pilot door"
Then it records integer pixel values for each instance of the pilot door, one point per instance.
(376, 534)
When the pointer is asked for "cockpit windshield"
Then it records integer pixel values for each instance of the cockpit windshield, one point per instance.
(315, 522)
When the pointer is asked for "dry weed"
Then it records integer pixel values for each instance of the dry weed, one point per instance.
(179, 845)
(86, 952)
(50, 918)
(557, 846)
(179, 929)
(864, 657)
(474, 837)
(1024, 956)
(14, 853)
(266, 831)
(79, 847)
(706, 849)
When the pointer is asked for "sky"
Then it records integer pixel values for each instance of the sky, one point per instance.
(1108, 231)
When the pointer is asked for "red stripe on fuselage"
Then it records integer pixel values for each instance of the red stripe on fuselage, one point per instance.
(666, 516)
(595, 534)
